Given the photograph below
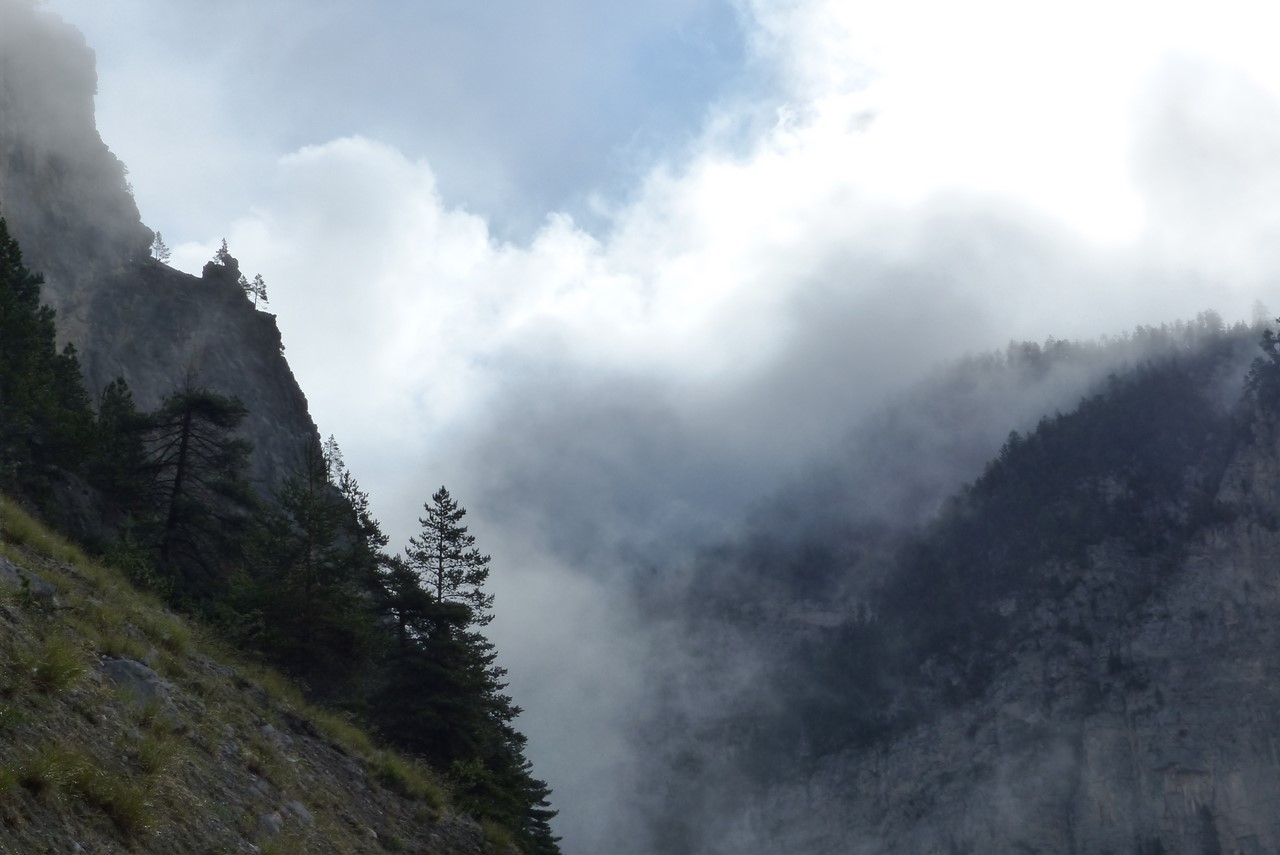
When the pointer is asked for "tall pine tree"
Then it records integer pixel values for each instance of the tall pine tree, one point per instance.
(309, 587)
(442, 695)
(201, 500)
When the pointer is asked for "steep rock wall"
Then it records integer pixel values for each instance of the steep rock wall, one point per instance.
(1108, 729)
(66, 200)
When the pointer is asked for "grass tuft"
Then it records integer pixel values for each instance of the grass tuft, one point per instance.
(276, 686)
(9, 778)
(126, 802)
(156, 751)
(53, 770)
(407, 778)
(340, 730)
(56, 667)
(169, 632)
(498, 837)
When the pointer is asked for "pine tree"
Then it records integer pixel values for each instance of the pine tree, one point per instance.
(119, 465)
(223, 257)
(443, 694)
(160, 250)
(199, 493)
(445, 556)
(258, 290)
(309, 584)
(45, 418)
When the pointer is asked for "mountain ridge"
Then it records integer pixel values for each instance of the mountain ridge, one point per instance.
(1109, 688)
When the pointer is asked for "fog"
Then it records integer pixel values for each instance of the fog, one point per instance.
(625, 359)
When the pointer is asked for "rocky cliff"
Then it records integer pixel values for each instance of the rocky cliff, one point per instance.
(66, 199)
(1133, 708)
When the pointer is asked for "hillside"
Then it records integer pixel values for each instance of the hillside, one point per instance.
(1075, 653)
(123, 729)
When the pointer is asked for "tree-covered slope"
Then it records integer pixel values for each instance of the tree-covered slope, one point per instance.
(123, 729)
(847, 681)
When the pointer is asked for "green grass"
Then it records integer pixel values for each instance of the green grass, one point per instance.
(169, 632)
(121, 646)
(19, 528)
(126, 802)
(407, 778)
(103, 612)
(156, 752)
(285, 844)
(498, 837)
(340, 730)
(62, 772)
(9, 778)
(55, 667)
(53, 770)
(11, 717)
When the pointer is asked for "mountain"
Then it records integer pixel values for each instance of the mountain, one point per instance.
(66, 199)
(203, 479)
(956, 640)
(1075, 652)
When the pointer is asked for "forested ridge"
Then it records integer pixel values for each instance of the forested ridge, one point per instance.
(863, 632)
(300, 577)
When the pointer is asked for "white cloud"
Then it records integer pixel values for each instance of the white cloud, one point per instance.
(935, 178)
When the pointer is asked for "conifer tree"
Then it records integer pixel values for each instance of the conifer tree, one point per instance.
(45, 418)
(160, 250)
(442, 695)
(309, 584)
(258, 290)
(119, 465)
(201, 498)
(445, 555)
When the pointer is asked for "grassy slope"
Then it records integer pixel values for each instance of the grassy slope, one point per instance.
(82, 761)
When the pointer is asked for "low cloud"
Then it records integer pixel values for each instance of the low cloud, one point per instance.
(608, 402)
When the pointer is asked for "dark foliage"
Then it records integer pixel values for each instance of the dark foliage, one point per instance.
(305, 601)
(1263, 383)
(442, 692)
(45, 419)
(302, 579)
(872, 629)
(1137, 464)
(202, 502)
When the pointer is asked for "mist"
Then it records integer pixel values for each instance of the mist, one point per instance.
(790, 317)
(605, 423)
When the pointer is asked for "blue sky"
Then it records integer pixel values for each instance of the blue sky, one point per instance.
(615, 272)
(520, 108)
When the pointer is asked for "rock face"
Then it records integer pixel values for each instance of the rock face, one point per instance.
(1106, 730)
(67, 202)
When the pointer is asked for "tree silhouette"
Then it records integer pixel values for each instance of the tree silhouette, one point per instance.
(445, 555)
(202, 500)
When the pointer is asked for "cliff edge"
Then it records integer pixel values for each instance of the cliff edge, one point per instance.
(67, 202)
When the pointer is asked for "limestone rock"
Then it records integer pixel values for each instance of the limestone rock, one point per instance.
(147, 689)
(67, 202)
(17, 579)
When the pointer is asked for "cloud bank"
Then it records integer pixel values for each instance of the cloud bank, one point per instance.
(893, 186)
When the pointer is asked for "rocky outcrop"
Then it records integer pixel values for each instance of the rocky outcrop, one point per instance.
(66, 200)
(1109, 728)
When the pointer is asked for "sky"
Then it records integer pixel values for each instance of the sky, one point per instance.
(615, 273)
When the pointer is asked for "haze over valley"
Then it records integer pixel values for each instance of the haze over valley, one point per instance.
(704, 309)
